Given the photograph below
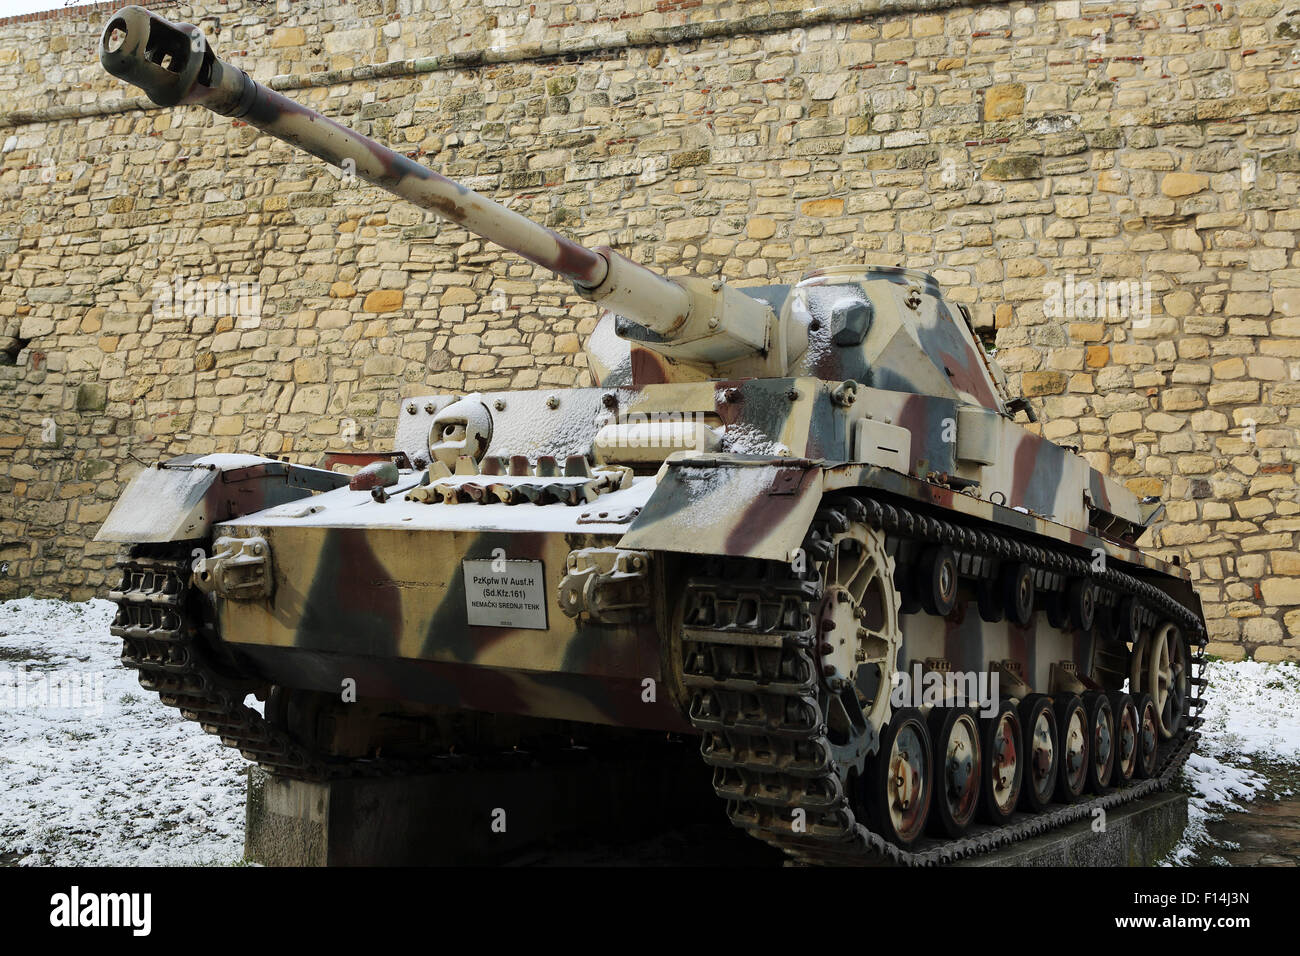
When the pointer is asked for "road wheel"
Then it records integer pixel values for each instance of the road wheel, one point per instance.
(937, 580)
(1148, 737)
(1101, 727)
(1018, 593)
(1126, 737)
(1038, 727)
(899, 779)
(958, 769)
(1072, 725)
(1003, 771)
(1128, 619)
(1081, 599)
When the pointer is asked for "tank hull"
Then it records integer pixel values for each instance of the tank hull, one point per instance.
(372, 604)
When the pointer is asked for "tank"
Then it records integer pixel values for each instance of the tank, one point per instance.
(799, 522)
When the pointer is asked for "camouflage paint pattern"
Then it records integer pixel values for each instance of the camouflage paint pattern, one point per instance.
(367, 585)
(369, 601)
(856, 377)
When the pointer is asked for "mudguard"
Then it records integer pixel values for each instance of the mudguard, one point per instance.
(735, 505)
(180, 499)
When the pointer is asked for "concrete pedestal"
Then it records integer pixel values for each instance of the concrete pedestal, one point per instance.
(550, 815)
(1141, 833)
(467, 819)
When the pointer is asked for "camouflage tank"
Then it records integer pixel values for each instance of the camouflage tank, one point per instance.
(799, 521)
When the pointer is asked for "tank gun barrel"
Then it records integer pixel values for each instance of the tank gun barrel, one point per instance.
(174, 64)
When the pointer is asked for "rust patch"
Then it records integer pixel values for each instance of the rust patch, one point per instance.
(447, 208)
(648, 367)
(575, 261)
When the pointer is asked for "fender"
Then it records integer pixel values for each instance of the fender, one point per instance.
(736, 505)
(180, 499)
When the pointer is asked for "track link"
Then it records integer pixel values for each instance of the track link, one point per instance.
(168, 644)
(749, 640)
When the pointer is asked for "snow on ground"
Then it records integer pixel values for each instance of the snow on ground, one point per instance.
(1252, 728)
(94, 770)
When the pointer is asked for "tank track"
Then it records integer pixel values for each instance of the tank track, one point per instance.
(167, 644)
(755, 704)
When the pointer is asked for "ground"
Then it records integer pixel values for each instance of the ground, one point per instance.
(1244, 779)
(95, 771)
(103, 775)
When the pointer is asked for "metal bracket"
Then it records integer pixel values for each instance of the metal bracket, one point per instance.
(610, 585)
(787, 481)
(1064, 678)
(618, 516)
(1021, 404)
(1011, 681)
(239, 569)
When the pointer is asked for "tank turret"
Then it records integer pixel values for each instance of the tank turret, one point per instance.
(656, 329)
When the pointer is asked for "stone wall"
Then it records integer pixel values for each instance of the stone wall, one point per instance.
(1034, 156)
